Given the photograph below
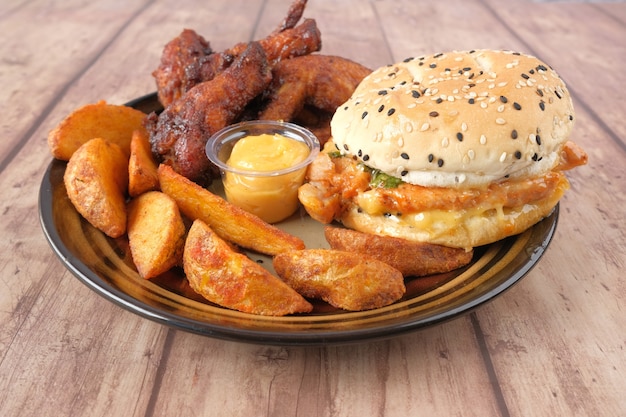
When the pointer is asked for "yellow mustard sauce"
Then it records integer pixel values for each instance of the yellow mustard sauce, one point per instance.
(272, 198)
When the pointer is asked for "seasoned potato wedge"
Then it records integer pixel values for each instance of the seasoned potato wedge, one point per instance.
(142, 168)
(156, 233)
(345, 280)
(233, 280)
(114, 123)
(410, 258)
(96, 179)
(227, 220)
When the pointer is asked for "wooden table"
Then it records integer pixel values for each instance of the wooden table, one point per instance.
(553, 345)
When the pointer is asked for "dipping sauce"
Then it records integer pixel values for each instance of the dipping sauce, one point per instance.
(271, 197)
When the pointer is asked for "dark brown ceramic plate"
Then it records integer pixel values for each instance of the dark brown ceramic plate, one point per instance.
(104, 265)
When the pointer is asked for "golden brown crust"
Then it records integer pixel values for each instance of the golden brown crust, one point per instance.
(410, 258)
(345, 280)
(230, 279)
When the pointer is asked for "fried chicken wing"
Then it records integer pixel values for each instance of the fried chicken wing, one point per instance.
(322, 82)
(188, 59)
(179, 134)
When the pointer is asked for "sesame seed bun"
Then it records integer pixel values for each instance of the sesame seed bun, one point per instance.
(458, 119)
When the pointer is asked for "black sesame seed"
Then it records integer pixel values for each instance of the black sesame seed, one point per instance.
(535, 157)
(517, 106)
(471, 101)
(433, 114)
(381, 108)
(542, 105)
(459, 136)
(403, 82)
(439, 100)
(363, 115)
(390, 112)
(421, 63)
(345, 146)
(366, 157)
(415, 93)
(438, 55)
(518, 155)
(540, 92)
(516, 53)
(514, 134)
(409, 59)
(571, 117)
(557, 94)
(503, 99)
(467, 69)
(538, 140)
(532, 71)
(404, 155)
(431, 157)
(359, 153)
(345, 108)
(541, 68)
(391, 75)
(433, 65)
(525, 76)
(404, 173)
(440, 163)
(382, 92)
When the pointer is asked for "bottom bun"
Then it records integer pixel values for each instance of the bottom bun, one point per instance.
(459, 229)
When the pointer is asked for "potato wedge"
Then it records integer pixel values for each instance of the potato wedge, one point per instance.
(230, 222)
(142, 168)
(96, 179)
(232, 280)
(410, 258)
(114, 123)
(156, 233)
(345, 280)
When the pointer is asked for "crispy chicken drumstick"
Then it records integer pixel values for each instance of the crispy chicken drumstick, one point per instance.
(180, 132)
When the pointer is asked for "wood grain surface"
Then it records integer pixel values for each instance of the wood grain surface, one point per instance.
(553, 345)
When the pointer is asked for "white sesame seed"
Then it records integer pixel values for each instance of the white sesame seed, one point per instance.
(424, 127)
(532, 138)
(445, 142)
(411, 105)
(483, 105)
(408, 126)
(400, 142)
(500, 108)
(471, 154)
(500, 121)
(502, 84)
(483, 139)
(503, 157)
(464, 127)
(492, 100)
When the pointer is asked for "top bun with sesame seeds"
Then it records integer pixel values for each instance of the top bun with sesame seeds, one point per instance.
(458, 118)
(458, 149)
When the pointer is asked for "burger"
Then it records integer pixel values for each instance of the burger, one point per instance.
(459, 149)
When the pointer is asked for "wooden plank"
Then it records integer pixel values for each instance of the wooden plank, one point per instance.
(33, 79)
(403, 376)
